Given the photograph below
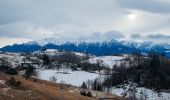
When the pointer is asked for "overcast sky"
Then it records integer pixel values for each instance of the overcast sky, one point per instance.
(87, 20)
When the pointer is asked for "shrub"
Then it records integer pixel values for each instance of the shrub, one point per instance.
(89, 94)
(18, 84)
(4, 68)
(12, 71)
(83, 93)
(12, 81)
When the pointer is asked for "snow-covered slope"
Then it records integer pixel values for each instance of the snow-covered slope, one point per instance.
(79, 54)
(143, 93)
(13, 59)
(50, 52)
(109, 61)
(45, 41)
(54, 52)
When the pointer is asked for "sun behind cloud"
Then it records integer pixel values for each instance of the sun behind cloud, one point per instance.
(132, 16)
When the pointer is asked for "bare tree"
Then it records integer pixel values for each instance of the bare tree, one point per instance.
(53, 79)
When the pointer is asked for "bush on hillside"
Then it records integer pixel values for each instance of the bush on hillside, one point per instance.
(89, 94)
(4, 68)
(11, 71)
(14, 83)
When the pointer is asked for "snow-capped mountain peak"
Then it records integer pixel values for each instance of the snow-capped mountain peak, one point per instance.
(112, 47)
(45, 41)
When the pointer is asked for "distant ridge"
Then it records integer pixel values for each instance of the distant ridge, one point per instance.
(112, 47)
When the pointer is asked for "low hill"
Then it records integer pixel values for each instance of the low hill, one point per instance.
(35, 89)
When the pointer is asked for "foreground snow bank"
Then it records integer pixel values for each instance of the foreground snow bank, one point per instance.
(144, 93)
(75, 78)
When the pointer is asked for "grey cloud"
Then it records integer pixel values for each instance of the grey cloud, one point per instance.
(107, 35)
(153, 6)
(93, 37)
(135, 36)
(113, 35)
(82, 19)
(25, 18)
(158, 36)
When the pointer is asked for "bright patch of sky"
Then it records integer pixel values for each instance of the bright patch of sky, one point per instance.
(24, 20)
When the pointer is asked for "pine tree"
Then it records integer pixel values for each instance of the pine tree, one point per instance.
(89, 94)
(84, 86)
(46, 59)
(29, 71)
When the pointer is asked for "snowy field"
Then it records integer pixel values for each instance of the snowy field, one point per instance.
(54, 52)
(75, 78)
(79, 54)
(109, 61)
(143, 94)
(50, 52)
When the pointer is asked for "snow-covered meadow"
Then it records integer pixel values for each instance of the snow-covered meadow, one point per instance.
(108, 61)
(75, 78)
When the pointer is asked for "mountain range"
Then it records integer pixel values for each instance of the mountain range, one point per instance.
(112, 47)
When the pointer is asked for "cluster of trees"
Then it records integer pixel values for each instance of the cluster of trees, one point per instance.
(8, 70)
(29, 71)
(93, 85)
(152, 72)
(69, 57)
(71, 60)
(86, 66)
(158, 72)
(88, 94)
